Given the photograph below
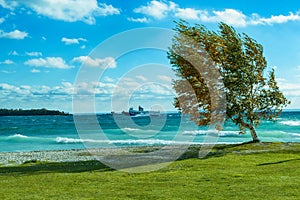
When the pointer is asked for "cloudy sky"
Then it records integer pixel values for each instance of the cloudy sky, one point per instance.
(45, 42)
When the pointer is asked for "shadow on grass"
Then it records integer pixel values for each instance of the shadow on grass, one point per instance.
(60, 167)
(278, 162)
(243, 148)
(34, 166)
(217, 151)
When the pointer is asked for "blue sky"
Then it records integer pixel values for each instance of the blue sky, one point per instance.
(45, 42)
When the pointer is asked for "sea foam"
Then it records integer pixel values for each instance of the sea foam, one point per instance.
(75, 140)
(122, 142)
(141, 141)
(290, 123)
(131, 129)
(17, 135)
(205, 132)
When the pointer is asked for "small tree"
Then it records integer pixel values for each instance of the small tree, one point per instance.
(239, 60)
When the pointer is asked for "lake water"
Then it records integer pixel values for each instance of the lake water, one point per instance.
(31, 133)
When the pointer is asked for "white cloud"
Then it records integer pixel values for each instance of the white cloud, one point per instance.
(7, 89)
(162, 9)
(156, 9)
(16, 34)
(188, 13)
(37, 95)
(9, 4)
(8, 72)
(31, 91)
(229, 16)
(109, 79)
(34, 54)
(164, 78)
(289, 89)
(35, 71)
(7, 62)
(105, 10)
(5, 86)
(72, 11)
(69, 41)
(82, 47)
(14, 53)
(154, 90)
(48, 62)
(141, 20)
(2, 20)
(142, 78)
(90, 88)
(280, 80)
(107, 62)
(274, 19)
(141, 88)
(237, 18)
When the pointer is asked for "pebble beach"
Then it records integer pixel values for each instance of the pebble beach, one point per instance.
(17, 158)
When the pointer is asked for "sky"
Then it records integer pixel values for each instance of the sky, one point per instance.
(52, 50)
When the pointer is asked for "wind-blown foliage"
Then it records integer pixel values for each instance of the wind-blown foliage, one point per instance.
(240, 63)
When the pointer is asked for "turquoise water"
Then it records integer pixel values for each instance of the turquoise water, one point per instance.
(31, 133)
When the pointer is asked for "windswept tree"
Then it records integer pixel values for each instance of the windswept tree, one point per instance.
(251, 93)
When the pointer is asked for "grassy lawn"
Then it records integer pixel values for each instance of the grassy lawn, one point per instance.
(249, 171)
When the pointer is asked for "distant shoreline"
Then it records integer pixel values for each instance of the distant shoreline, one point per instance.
(31, 112)
(45, 112)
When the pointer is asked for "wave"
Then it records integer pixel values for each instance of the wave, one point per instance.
(141, 141)
(205, 132)
(17, 135)
(129, 141)
(133, 142)
(195, 132)
(139, 130)
(130, 129)
(75, 140)
(23, 138)
(125, 142)
(296, 134)
(290, 123)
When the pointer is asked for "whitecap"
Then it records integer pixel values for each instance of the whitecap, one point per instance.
(131, 129)
(75, 140)
(141, 141)
(290, 123)
(204, 132)
(296, 134)
(17, 135)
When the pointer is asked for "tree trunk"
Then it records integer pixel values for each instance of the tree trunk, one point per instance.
(253, 133)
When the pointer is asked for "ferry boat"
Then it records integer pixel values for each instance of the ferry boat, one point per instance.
(141, 112)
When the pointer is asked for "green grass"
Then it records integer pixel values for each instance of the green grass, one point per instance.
(248, 171)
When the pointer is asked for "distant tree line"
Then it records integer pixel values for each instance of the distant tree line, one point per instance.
(20, 112)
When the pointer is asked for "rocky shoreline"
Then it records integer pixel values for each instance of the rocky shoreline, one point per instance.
(16, 158)
(124, 155)
(135, 155)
